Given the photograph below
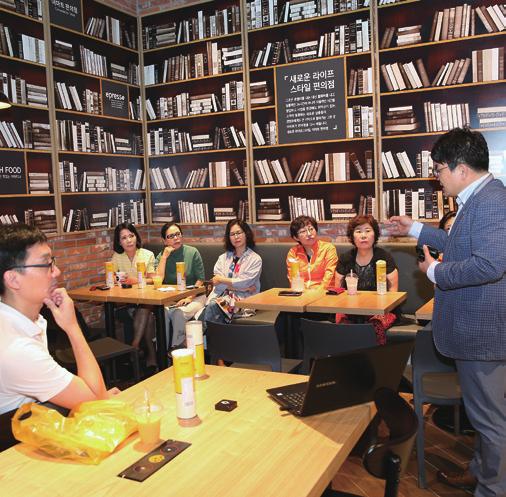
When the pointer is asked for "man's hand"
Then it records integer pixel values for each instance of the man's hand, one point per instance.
(183, 302)
(217, 279)
(62, 308)
(424, 266)
(399, 225)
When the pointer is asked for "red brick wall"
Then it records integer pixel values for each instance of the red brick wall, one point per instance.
(150, 6)
(129, 6)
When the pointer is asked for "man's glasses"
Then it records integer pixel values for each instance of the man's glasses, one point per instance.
(171, 236)
(307, 231)
(437, 171)
(236, 233)
(48, 265)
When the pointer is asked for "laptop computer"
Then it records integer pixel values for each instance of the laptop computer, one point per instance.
(345, 380)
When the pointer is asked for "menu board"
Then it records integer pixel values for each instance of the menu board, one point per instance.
(66, 13)
(114, 99)
(310, 99)
(12, 173)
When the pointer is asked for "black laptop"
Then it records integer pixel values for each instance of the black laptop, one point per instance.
(345, 380)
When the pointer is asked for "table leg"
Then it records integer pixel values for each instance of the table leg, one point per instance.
(110, 325)
(161, 339)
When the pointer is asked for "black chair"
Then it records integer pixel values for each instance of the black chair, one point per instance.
(322, 338)
(6, 437)
(246, 345)
(387, 459)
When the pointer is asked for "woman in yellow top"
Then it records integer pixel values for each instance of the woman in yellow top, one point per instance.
(127, 253)
(317, 259)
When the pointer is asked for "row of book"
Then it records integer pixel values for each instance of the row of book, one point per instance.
(21, 46)
(67, 97)
(268, 137)
(108, 180)
(360, 121)
(113, 30)
(454, 22)
(444, 117)
(93, 63)
(40, 183)
(79, 219)
(194, 212)
(45, 220)
(36, 136)
(404, 35)
(491, 117)
(163, 141)
(421, 203)
(221, 22)
(189, 66)
(261, 13)
(399, 165)
(31, 8)
(402, 76)
(360, 81)
(18, 91)
(488, 64)
(493, 17)
(79, 136)
(184, 104)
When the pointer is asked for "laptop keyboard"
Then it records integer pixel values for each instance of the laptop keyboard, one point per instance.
(295, 399)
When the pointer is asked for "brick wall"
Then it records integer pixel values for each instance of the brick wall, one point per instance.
(151, 6)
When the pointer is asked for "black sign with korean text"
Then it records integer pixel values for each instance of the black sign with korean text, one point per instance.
(12, 173)
(311, 102)
(114, 99)
(66, 13)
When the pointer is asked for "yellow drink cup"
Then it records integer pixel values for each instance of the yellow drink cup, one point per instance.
(381, 277)
(157, 281)
(181, 276)
(109, 274)
(184, 383)
(141, 274)
(195, 342)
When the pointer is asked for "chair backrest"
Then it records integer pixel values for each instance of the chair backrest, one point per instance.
(322, 338)
(426, 358)
(244, 343)
(6, 437)
(388, 459)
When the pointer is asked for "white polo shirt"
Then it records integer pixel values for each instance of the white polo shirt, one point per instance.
(28, 373)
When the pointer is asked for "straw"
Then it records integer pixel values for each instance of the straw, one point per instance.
(147, 400)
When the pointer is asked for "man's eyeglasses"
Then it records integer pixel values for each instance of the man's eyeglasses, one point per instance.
(236, 233)
(437, 171)
(171, 236)
(307, 231)
(48, 265)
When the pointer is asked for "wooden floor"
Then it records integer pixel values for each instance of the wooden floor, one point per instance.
(442, 451)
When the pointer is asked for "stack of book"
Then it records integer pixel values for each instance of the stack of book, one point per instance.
(192, 212)
(492, 117)
(409, 35)
(360, 81)
(39, 183)
(360, 121)
(9, 136)
(113, 30)
(37, 135)
(342, 212)
(166, 178)
(231, 58)
(443, 117)
(98, 220)
(301, 206)
(273, 171)
(224, 214)
(68, 98)
(401, 120)
(260, 93)
(269, 209)
(162, 212)
(270, 136)
(31, 8)
(452, 73)
(63, 54)
(493, 17)
(45, 220)
(159, 36)
(402, 76)
(488, 64)
(18, 91)
(454, 22)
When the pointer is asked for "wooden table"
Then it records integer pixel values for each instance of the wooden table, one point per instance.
(424, 313)
(364, 303)
(255, 450)
(139, 296)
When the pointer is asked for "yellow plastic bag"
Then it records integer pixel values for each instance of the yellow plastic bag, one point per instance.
(88, 435)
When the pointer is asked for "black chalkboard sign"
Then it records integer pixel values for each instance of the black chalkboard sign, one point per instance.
(66, 13)
(114, 99)
(12, 173)
(310, 101)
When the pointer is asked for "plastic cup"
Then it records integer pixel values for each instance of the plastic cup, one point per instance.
(157, 281)
(351, 283)
(149, 421)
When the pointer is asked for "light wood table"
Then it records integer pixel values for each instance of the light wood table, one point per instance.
(364, 303)
(255, 450)
(136, 296)
(424, 313)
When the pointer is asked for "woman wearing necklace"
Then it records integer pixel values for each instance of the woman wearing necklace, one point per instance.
(363, 232)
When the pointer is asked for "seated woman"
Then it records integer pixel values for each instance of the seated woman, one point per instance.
(236, 274)
(446, 222)
(176, 251)
(127, 253)
(317, 258)
(363, 232)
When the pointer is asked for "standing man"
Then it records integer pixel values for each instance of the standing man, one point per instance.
(469, 319)
(28, 279)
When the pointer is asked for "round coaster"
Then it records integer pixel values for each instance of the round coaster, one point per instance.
(188, 423)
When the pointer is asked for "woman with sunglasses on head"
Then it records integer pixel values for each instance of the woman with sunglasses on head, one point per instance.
(236, 274)
(363, 232)
(176, 251)
(128, 252)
